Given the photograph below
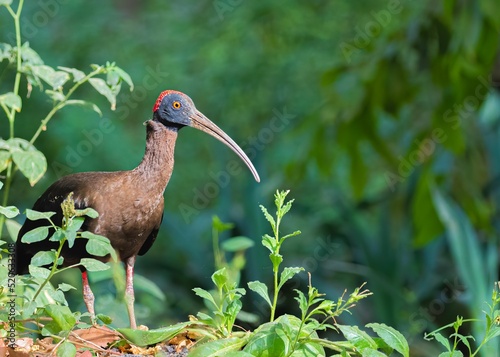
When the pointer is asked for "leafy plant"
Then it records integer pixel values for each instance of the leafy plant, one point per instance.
(68, 232)
(21, 153)
(37, 301)
(41, 307)
(491, 328)
(225, 301)
(274, 244)
(237, 246)
(288, 335)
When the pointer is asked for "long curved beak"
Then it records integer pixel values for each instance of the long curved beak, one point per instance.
(201, 122)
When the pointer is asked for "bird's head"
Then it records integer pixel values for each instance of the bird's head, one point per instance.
(176, 110)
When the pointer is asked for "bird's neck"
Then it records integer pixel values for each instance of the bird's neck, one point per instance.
(156, 167)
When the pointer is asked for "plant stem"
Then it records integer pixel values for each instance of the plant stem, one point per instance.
(61, 104)
(12, 114)
(276, 268)
(17, 80)
(53, 270)
(43, 124)
(275, 296)
(217, 254)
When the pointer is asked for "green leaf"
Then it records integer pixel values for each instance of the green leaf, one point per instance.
(296, 233)
(5, 50)
(77, 74)
(31, 163)
(219, 225)
(5, 157)
(451, 354)
(370, 352)
(464, 339)
(99, 245)
(358, 338)
(55, 79)
(93, 264)
(43, 258)
(285, 208)
(75, 224)
(218, 348)
(205, 295)
(13, 227)
(11, 100)
(29, 55)
(58, 235)
(66, 349)
(275, 339)
(38, 272)
(35, 235)
(62, 316)
(204, 318)
(261, 289)
(112, 78)
(233, 308)
(236, 244)
(143, 338)
(287, 274)
(269, 218)
(220, 278)
(85, 104)
(269, 242)
(392, 337)
(100, 85)
(55, 95)
(33, 215)
(238, 354)
(9, 211)
(70, 235)
(442, 340)
(303, 303)
(125, 76)
(72, 228)
(276, 259)
(104, 318)
(89, 212)
(65, 287)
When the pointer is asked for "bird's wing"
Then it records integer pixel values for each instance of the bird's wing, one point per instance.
(151, 238)
(51, 200)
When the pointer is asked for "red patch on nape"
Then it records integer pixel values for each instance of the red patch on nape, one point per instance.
(161, 96)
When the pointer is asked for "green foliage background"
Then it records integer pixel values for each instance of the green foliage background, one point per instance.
(390, 141)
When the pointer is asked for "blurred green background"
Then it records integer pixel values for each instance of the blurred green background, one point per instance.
(381, 117)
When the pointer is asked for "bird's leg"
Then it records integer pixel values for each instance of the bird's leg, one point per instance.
(88, 296)
(129, 290)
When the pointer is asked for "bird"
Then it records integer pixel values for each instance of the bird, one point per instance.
(130, 203)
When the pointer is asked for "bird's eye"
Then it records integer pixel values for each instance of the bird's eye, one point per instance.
(176, 105)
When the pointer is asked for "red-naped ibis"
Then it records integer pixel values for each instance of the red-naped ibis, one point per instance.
(129, 203)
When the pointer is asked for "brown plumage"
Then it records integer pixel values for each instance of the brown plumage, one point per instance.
(130, 203)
